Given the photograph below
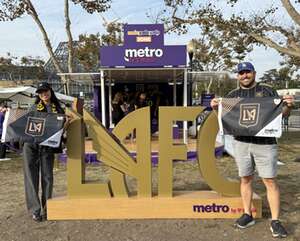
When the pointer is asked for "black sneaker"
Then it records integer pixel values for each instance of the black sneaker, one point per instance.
(37, 217)
(44, 217)
(244, 221)
(278, 231)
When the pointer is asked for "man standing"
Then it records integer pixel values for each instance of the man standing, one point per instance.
(259, 152)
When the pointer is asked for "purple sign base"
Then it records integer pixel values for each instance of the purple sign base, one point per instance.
(91, 158)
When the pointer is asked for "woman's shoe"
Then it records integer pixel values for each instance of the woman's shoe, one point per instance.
(37, 217)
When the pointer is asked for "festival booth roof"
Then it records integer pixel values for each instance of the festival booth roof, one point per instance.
(144, 75)
(130, 75)
(26, 94)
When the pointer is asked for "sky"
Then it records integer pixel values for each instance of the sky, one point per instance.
(22, 37)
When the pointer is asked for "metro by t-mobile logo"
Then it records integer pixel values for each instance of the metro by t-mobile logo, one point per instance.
(211, 208)
(142, 53)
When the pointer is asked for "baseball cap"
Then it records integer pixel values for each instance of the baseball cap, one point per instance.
(245, 66)
(43, 86)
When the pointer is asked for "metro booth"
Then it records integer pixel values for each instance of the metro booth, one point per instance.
(143, 64)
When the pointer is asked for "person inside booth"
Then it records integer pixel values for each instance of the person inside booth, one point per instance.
(118, 110)
(140, 101)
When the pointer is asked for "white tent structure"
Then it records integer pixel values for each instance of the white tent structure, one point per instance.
(294, 92)
(26, 94)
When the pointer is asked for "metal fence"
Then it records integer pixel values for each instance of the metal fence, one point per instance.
(294, 119)
(292, 122)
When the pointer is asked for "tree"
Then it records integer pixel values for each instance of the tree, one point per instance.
(91, 7)
(219, 83)
(87, 51)
(13, 9)
(291, 62)
(280, 79)
(243, 29)
(25, 68)
(213, 52)
(8, 60)
(6, 64)
(276, 78)
(113, 35)
(32, 61)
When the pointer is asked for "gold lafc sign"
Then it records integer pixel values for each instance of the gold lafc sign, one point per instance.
(111, 200)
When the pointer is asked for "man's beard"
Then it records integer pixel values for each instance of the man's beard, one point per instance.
(248, 85)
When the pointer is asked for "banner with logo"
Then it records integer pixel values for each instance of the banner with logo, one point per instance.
(11, 116)
(143, 47)
(42, 128)
(250, 116)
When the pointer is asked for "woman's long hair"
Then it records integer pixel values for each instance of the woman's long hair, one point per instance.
(138, 96)
(53, 100)
(117, 98)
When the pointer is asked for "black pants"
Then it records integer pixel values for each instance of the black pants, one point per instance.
(38, 162)
(2, 150)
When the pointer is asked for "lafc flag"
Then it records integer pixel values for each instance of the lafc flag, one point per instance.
(250, 116)
(42, 128)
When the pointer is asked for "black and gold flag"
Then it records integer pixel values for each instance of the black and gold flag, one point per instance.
(250, 116)
(34, 127)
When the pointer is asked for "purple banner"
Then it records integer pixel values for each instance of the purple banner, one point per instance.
(143, 57)
(143, 47)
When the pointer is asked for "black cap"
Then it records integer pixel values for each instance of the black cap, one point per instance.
(43, 86)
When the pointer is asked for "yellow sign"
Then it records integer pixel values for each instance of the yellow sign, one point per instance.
(144, 39)
(112, 152)
(111, 200)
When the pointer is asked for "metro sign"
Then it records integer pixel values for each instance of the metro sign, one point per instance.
(143, 47)
(142, 53)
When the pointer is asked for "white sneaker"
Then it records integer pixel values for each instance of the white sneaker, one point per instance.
(279, 163)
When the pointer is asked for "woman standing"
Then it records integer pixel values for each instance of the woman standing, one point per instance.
(118, 111)
(38, 160)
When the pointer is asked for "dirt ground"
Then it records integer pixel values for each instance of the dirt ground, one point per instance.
(16, 224)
